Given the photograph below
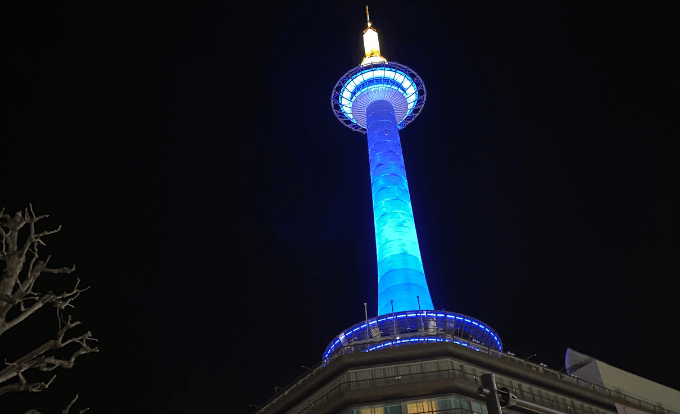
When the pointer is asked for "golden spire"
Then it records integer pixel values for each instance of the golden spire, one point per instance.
(371, 44)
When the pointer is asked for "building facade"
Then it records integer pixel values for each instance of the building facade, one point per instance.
(444, 377)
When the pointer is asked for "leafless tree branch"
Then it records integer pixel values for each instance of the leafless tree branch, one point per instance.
(35, 358)
(7, 299)
(48, 297)
(23, 385)
(68, 407)
(22, 267)
(65, 411)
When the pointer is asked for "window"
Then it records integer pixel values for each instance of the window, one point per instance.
(445, 404)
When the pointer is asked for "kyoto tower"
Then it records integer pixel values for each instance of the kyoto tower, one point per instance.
(378, 98)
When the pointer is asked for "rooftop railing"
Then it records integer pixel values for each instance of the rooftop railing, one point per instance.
(644, 405)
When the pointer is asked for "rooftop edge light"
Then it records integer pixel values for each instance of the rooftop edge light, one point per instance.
(412, 328)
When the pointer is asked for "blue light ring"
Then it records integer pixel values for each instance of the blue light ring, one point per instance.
(383, 146)
(388, 179)
(390, 193)
(389, 167)
(375, 83)
(385, 215)
(387, 176)
(349, 122)
(384, 236)
(387, 250)
(384, 244)
(397, 248)
(390, 183)
(384, 83)
(391, 229)
(441, 319)
(372, 72)
(385, 206)
(396, 273)
(386, 218)
(380, 165)
(390, 263)
(395, 205)
(393, 215)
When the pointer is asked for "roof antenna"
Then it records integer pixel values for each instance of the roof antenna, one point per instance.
(368, 19)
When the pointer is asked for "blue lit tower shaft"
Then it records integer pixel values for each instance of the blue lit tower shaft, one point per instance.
(401, 277)
(380, 98)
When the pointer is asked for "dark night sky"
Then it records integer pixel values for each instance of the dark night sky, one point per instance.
(223, 216)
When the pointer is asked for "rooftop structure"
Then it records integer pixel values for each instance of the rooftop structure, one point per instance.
(413, 328)
(604, 375)
(444, 378)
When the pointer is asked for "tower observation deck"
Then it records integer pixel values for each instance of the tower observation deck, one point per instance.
(378, 98)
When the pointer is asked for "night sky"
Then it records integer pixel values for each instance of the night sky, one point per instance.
(222, 215)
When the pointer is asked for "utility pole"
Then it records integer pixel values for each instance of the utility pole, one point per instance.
(496, 398)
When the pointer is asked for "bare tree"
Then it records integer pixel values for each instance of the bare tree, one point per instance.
(18, 301)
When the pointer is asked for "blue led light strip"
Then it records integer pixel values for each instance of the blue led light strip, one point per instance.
(387, 329)
(401, 277)
(374, 78)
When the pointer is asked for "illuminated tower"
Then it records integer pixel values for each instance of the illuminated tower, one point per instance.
(378, 98)
(366, 369)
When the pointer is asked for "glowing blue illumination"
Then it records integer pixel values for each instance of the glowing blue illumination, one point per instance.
(404, 341)
(375, 78)
(357, 332)
(401, 277)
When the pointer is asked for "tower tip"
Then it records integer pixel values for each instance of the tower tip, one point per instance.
(371, 44)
